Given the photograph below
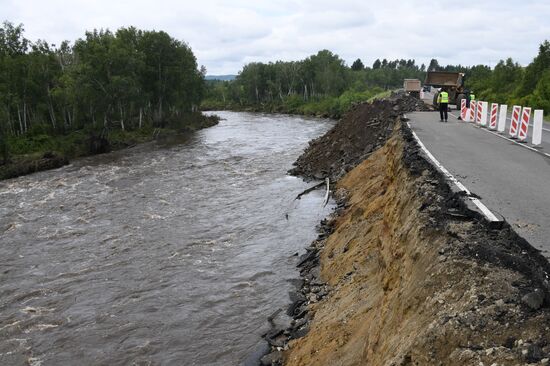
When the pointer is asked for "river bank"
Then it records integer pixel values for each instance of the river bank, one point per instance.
(329, 107)
(404, 272)
(43, 152)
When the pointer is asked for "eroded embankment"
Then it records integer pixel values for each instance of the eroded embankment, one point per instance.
(415, 277)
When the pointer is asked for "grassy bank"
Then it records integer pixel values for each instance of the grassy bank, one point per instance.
(329, 107)
(41, 150)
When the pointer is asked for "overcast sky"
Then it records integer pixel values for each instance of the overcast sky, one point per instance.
(225, 35)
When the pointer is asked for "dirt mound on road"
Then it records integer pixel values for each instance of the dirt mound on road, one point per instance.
(361, 131)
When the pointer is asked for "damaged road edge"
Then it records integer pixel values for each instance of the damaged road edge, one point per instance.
(508, 277)
(494, 220)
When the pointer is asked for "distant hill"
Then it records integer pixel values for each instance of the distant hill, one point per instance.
(220, 77)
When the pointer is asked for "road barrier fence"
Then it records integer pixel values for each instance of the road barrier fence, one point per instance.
(473, 111)
(463, 110)
(484, 109)
(537, 127)
(493, 120)
(524, 124)
(516, 110)
(477, 113)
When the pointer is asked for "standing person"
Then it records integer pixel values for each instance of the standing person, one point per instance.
(443, 101)
(472, 96)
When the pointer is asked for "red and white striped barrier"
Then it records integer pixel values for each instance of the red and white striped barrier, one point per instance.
(502, 117)
(473, 111)
(524, 125)
(537, 127)
(493, 120)
(463, 109)
(516, 111)
(479, 112)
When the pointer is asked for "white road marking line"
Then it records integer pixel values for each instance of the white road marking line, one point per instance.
(518, 143)
(488, 214)
(530, 124)
(511, 140)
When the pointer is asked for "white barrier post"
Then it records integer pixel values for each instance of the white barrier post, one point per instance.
(484, 107)
(493, 120)
(502, 117)
(473, 111)
(537, 127)
(524, 125)
(516, 111)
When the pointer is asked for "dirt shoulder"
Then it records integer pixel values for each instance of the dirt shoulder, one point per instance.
(406, 274)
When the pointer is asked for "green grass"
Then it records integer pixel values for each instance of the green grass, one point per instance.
(76, 143)
(380, 95)
(332, 107)
(66, 145)
(26, 152)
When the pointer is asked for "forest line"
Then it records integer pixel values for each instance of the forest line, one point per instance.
(323, 84)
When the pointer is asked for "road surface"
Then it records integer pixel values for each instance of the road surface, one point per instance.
(511, 180)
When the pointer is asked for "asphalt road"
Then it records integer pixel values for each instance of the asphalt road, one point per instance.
(511, 180)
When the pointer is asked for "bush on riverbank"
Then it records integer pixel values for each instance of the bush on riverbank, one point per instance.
(39, 150)
(329, 107)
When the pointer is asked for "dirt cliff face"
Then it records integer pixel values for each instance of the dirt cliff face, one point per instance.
(416, 278)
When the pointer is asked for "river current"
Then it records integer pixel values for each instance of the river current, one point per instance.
(157, 255)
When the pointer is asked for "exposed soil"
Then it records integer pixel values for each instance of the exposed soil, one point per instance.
(405, 273)
(365, 128)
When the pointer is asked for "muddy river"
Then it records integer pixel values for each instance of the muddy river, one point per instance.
(157, 255)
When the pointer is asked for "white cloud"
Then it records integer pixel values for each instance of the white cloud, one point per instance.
(224, 35)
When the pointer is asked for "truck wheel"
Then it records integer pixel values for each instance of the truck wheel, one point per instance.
(436, 105)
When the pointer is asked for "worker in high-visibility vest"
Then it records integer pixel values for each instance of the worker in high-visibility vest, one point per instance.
(443, 102)
(472, 96)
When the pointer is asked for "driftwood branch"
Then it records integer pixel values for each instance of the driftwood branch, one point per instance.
(309, 190)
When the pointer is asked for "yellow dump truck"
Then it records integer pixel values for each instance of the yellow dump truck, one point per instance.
(412, 87)
(451, 82)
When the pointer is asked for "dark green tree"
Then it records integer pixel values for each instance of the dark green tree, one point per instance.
(434, 65)
(357, 65)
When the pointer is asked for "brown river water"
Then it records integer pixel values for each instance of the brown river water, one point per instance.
(157, 255)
